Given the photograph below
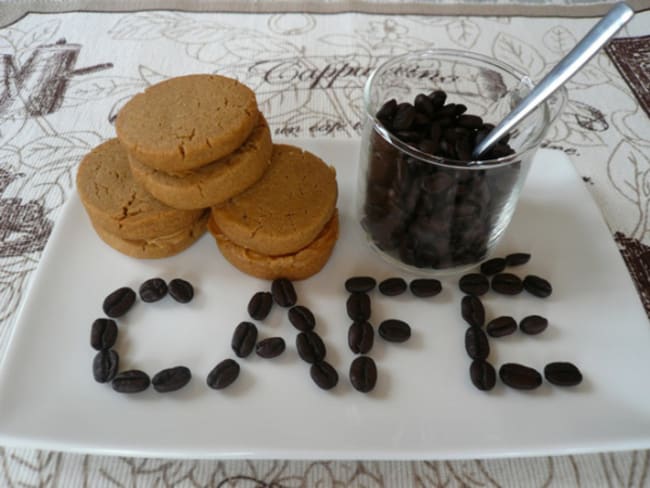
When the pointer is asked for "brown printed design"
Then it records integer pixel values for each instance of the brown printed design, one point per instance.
(631, 56)
(637, 258)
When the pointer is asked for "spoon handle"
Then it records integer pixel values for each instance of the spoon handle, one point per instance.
(599, 34)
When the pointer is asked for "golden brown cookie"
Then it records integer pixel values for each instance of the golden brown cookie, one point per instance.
(296, 266)
(155, 247)
(284, 211)
(120, 205)
(187, 122)
(214, 183)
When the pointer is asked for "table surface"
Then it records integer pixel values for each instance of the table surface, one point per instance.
(66, 74)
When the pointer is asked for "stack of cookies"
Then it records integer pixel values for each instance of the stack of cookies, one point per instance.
(197, 146)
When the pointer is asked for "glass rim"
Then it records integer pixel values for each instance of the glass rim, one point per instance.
(448, 162)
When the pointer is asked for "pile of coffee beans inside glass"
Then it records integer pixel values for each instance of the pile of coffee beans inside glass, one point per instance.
(428, 215)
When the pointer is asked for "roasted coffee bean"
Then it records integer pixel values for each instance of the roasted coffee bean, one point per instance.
(363, 374)
(474, 284)
(470, 121)
(358, 307)
(501, 326)
(562, 373)
(283, 292)
(310, 346)
(171, 379)
(517, 259)
(153, 290)
(438, 99)
(324, 375)
(387, 111)
(103, 334)
(493, 266)
(507, 284)
(270, 347)
(472, 310)
(519, 376)
(119, 302)
(360, 284)
(260, 304)
(302, 318)
(404, 117)
(180, 290)
(392, 287)
(537, 286)
(423, 104)
(476, 343)
(482, 374)
(132, 381)
(394, 330)
(361, 337)
(105, 365)
(425, 287)
(243, 339)
(533, 324)
(223, 374)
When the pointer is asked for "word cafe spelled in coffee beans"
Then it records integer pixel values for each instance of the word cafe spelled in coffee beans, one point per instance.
(493, 266)
(425, 287)
(132, 381)
(310, 346)
(482, 374)
(105, 365)
(533, 324)
(363, 374)
(171, 379)
(517, 259)
(392, 287)
(358, 307)
(223, 374)
(302, 318)
(119, 302)
(507, 284)
(476, 343)
(474, 284)
(103, 334)
(394, 330)
(153, 290)
(283, 292)
(562, 373)
(361, 336)
(501, 326)
(537, 286)
(270, 347)
(472, 310)
(243, 339)
(259, 305)
(519, 376)
(360, 284)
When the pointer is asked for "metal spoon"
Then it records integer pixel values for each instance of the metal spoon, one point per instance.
(606, 28)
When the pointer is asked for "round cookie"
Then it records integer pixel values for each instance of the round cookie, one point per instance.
(187, 122)
(120, 205)
(214, 183)
(284, 211)
(156, 247)
(296, 266)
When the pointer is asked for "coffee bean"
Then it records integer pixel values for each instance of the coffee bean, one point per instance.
(493, 266)
(259, 305)
(324, 375)
(562, 374)
(171, 379)
(223, 374)
(474, 284)
(358, 307)
(501, 326)
(105, 365)
(283, 292)
(533, 324)
(470, 121)
(394, 330)
(310, 346)
(119, 302)
(243, 339)
(180, 290)
(476, 343)
(132, 381)
(153, 290)
(361, 337)
(438, 98)
(387, 111)
(507, 284)
(537, 286)
(103, 334)
(423, 287)
(392, 287)
(302, 318)
(423, 104)
(363, 374)
(360, 284)
(270, 348)
(482, 374)
(404, 116)
(519, 376)
(472, 310)
(517, 259)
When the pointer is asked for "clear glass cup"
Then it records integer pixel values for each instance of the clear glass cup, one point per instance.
(437, 214)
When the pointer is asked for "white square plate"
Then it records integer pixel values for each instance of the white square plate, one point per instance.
(424, 405)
